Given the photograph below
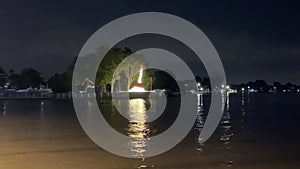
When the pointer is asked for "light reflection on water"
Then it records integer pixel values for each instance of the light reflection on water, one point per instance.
(49, 131)
(225, 132)
(138, 129)
(4, 108)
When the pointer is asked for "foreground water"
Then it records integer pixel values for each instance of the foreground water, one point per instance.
(257, 132)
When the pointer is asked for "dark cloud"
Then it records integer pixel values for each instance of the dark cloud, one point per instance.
(254, 39)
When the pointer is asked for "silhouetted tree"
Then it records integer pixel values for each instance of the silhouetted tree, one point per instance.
(206, 82)
(29, 77)
(163, 80)
(13, 78)
(61, 82)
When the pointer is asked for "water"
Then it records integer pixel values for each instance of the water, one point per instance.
(260, 131)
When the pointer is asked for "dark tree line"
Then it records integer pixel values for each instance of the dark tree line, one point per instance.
(104, 78)
(28, 77)
(262, 86)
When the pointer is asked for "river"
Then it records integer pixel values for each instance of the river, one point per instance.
(259, 131)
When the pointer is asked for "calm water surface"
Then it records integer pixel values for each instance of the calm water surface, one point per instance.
(257, 132)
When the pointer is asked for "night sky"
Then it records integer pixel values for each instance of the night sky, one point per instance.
(255, 40)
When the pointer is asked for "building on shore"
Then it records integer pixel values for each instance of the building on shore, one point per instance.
(87, 84)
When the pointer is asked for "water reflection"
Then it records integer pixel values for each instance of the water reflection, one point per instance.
(243, 99)
(4, 109)
(42, 108)
(199, 121)
(200, 102)
(226, 132)
(60, 137)
(244, 120)
(138, 129)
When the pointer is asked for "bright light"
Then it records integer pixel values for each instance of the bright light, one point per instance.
(243, 89)
(227, 87)
(198, 84)
(222, 86)
(137, 89)
(141, 75)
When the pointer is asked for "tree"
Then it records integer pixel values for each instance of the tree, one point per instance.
(29, 77)
(13, 78)
(109, 65)
(3, 77)
(163, 80)
(261, 85)
(107, 73)
(127, 72)
(206, 82)
(61, 82)
(145, 79)
(116, 66)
